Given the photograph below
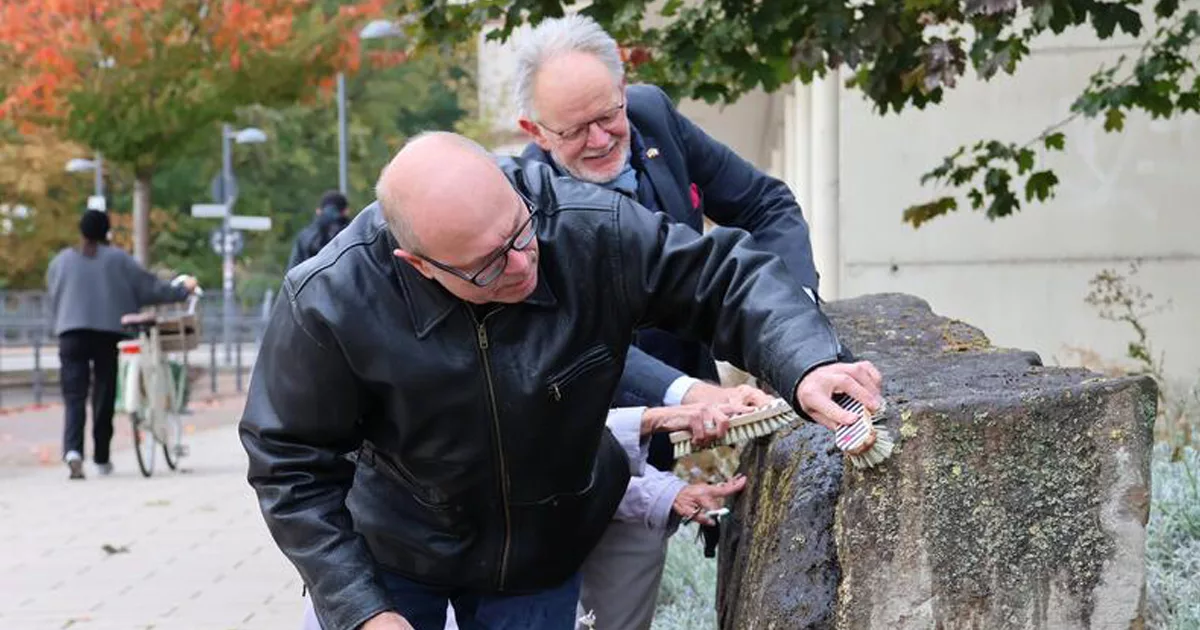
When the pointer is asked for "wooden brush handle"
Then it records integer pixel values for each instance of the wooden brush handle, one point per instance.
(774, 408)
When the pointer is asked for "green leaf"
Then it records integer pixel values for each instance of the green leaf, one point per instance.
(1055, 141)
(1040, 186)
(1024, 160)
(1166, 8)
(1104, 20)
(963, 174)
(919, 214)
(1114, 120)
(671, 7)
(1188, 102)
(1128, 19)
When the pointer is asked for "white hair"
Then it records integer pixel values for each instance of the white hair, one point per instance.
(558, 36)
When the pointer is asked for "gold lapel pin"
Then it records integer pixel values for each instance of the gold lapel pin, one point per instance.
(651, 153)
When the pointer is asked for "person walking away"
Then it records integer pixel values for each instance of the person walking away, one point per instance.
(90, 287)
(332, 216)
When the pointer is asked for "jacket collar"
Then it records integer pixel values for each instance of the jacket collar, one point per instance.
(429, 303)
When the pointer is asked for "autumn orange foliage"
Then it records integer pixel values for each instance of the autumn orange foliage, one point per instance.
(48, 48)
(141, 80)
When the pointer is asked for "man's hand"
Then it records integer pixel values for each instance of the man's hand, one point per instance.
(706, 422)
(697, 498)
(387, 621)
(861, 381)
(701, 392)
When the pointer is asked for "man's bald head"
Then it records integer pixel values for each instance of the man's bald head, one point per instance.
(440, 178)
(456, 216)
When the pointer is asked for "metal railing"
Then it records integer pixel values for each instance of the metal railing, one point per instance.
(29, 348)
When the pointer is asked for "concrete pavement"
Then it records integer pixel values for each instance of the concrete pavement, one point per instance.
(184, 550)
(32, 434)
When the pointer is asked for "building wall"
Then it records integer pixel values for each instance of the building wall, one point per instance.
(1123, 198)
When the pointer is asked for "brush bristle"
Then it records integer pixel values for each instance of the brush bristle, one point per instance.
(851, 437)
(762, 421)
(778, 414)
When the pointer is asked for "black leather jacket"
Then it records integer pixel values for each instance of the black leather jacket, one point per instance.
(484, 462)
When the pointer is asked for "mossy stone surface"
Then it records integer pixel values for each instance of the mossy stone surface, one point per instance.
(1016, 497)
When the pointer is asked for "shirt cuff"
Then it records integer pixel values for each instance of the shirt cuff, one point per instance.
(649, 500)
(678, 389)
(662, 499)
(625, 423)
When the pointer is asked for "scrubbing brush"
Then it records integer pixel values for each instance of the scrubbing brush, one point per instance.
(864, 444)
(764, 420)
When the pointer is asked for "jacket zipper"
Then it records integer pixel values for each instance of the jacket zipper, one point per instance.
(482, 339)
(594, 357)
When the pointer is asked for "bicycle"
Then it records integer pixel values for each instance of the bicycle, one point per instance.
(152, 391)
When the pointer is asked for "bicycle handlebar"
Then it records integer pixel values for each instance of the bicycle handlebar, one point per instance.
(194, 297)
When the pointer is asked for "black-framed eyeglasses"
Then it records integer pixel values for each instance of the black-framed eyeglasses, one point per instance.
(498, 261)
(607, 121)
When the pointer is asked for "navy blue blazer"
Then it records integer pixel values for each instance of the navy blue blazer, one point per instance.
(693, 176)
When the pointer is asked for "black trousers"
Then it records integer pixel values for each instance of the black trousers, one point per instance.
(88, 360)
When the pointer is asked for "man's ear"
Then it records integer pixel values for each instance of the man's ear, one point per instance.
(534, 132)
(417, 262)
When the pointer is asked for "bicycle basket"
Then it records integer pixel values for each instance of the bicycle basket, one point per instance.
(178, 330)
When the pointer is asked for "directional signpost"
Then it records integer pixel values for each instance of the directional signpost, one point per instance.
(254, 224)
(209, 210)
(227, 242)
(222, 241)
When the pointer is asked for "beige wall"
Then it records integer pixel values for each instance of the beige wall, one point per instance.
(1123, 197)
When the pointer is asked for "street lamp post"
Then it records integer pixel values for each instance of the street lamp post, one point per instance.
(343, 184)
(249, 135)
(79, 165)
(377, 29)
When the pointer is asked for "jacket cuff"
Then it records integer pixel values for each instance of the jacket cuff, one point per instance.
(664, 488)
(352, 615)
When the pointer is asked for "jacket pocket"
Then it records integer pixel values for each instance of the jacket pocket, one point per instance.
(408, 534)
(591, 359)
(395, 472)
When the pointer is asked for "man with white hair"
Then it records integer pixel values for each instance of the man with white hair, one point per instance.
(587, 124)
(464, 336)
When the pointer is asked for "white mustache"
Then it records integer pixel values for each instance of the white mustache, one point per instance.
(603, 153)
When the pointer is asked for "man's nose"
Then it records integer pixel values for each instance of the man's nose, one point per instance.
(519, 259)
(597, 136)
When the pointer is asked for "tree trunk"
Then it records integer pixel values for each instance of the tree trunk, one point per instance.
(141, 217)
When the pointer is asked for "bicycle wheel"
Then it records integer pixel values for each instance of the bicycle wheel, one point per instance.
(172, 446)
(143, 443)
(147, 420)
